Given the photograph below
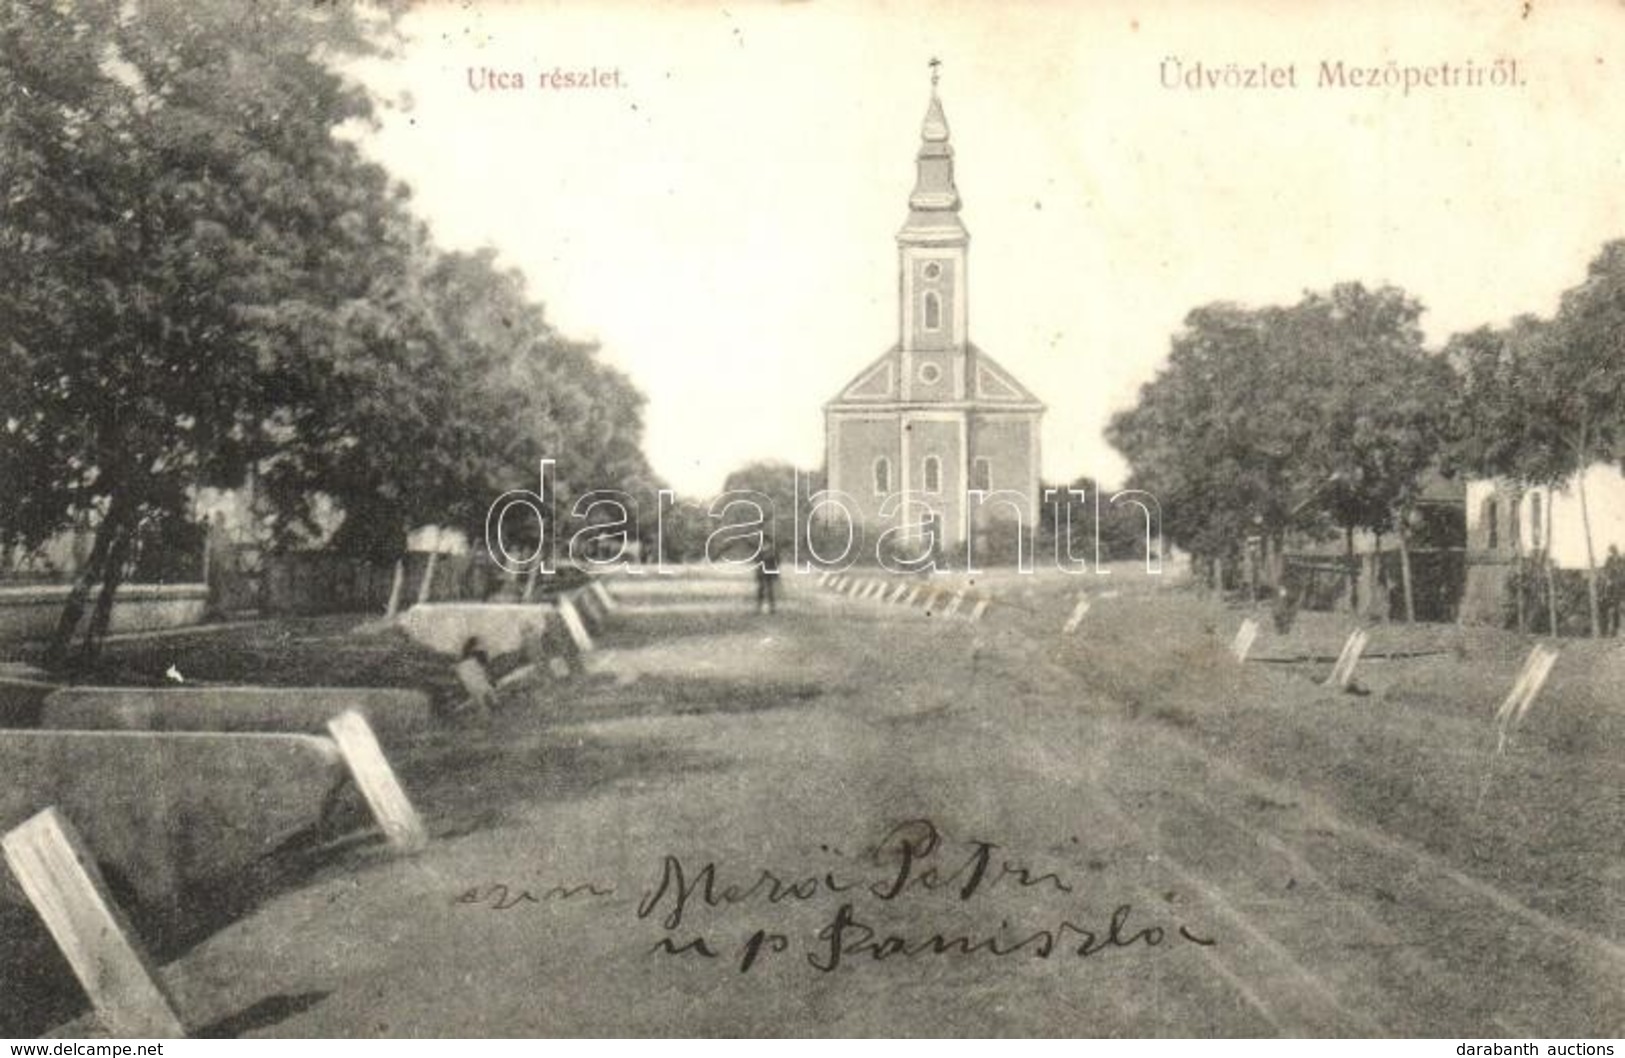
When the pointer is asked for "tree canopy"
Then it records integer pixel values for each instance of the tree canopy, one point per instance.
(205, 279)
(1324, 414)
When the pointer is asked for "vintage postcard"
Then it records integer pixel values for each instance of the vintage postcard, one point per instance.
(566, 519)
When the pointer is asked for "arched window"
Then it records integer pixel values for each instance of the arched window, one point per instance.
(882, 476)
(1534, 521)
(1492, 531)
(933, 474)
(1515, 523)
(933, 310)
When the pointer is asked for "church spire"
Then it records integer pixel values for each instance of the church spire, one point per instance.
(934, 205)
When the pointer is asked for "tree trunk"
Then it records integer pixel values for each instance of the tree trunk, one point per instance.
(1551, 570)
(1591, 555)
(102, 618)
(1519, 570)
(73, 610)
(1353, 568)
(1404, 536)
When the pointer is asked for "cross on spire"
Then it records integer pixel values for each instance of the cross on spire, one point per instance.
(936, 70)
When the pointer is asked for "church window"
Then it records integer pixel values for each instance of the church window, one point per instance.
(981, 474)
(933, 270)
(933, 311)
(933, 474)
(1492, 516)
(1534, 521)
(929, 373)
(882, 476)
(1515, 523)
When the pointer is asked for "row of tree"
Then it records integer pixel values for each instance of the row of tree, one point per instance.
(203, 281)
(1326, 416)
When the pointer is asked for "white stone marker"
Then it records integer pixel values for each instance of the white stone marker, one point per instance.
(1076, 618)
(376, 781)
(1343, 672)
(59, 875)
(396, 586)
(1531, 678)
(1244, 639)
(426, 585)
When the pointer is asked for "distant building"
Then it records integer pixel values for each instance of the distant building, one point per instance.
(1507, 522)
(935, 418)
(1437, 539)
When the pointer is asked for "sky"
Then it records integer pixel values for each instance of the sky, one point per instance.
(720, 216)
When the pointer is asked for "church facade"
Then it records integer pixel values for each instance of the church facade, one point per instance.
(935, 436)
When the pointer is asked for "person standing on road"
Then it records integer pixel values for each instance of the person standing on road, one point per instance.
(767, 578)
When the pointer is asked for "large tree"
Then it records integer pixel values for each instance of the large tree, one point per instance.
(1206, 437)
(1379, 404)
(175, 206)
(1544, 399)
(1323, 414)
(206, 281)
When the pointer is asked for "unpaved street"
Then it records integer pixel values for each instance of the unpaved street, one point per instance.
(852, 819)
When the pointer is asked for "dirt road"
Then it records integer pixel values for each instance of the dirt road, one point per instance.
(846, 819)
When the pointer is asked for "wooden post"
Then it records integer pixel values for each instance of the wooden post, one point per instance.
(605, 599)
(1076, 618)
(1343, 672)
(1245, 635)
(426, 588)
(954, 603)
(376, 780)
(396, 586)
(978, 610)
(60, 878)
(572, 624)
(586, 606)
(897, 596)
(530, 583)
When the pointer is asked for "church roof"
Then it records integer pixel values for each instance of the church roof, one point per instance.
(989, 387)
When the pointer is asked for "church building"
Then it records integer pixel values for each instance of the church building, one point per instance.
(935, 419)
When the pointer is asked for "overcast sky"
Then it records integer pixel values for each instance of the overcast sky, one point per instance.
(723, 221)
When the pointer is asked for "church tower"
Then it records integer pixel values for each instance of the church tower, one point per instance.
(934, 434)
(932, 250)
